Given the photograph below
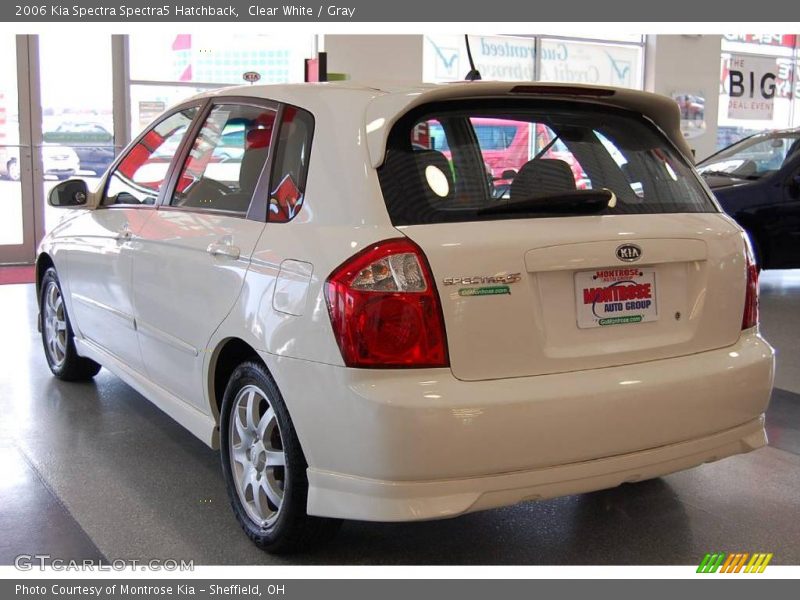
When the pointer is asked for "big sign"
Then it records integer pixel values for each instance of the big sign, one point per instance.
(751, 87)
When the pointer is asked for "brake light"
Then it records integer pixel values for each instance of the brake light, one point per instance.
(385, 310)
(750, 317)
(561, 90)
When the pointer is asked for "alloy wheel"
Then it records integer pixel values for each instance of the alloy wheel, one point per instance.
(54, 322)
(257, 455)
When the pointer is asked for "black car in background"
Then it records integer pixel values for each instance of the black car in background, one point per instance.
(92, 142)
(757, 182)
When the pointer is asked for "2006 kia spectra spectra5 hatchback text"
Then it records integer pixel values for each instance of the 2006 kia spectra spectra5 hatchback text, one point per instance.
(272, 264)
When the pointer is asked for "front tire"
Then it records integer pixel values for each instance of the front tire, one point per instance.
(57, 336)
(264, 466)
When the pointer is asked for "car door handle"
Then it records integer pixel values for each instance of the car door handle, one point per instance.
(223, 249)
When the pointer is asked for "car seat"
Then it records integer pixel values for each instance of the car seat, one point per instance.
(542, 177)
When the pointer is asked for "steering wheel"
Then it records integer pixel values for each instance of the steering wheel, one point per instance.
(216, 186)
(203, 193)
(747, 168)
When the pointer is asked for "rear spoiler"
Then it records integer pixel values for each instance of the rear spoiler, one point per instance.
(383, 111)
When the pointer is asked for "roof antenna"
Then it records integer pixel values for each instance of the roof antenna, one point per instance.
(474, 74)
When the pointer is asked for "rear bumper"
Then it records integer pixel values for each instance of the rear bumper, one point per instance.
(420, 444)
(336, 495)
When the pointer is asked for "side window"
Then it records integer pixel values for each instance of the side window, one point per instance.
(429, 135)
(290, 169)
(226, 160)
(138, 178)
(497, 136)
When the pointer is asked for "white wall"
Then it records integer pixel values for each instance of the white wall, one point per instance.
(687, 64)
(375, 57)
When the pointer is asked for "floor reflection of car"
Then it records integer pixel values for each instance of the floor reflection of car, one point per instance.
(58, 161)
(757, 182)
(92, 142)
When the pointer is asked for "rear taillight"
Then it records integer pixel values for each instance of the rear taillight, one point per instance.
(750, 316)
(385, 310)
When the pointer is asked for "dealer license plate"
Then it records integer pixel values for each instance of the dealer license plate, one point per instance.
(615, 296)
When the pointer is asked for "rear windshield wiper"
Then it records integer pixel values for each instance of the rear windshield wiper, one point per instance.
(578, 202)
(731, 175)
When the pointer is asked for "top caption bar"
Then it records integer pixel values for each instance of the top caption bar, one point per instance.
(498, 11)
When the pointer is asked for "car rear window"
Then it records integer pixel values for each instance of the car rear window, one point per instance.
(460, 161)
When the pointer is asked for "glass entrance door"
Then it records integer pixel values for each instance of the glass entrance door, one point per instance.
(77, 112)
(17, 237)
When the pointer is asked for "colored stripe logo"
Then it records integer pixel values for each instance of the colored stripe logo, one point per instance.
(735, 562)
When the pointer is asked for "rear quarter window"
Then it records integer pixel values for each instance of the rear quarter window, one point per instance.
(290, 169)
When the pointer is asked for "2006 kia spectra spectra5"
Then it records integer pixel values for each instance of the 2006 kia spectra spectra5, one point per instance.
(272, 264)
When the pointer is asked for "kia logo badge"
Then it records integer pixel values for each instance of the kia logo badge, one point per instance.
(629, 252)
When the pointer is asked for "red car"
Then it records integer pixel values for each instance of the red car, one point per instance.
(506, 145)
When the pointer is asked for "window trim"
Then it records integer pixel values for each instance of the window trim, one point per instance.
(259, 203)
(200, 105)
(163, 202)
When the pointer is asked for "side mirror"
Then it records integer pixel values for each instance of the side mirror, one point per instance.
(508, 174)
(71, 193)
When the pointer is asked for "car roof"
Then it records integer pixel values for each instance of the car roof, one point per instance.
(382, 103)
(775, 133)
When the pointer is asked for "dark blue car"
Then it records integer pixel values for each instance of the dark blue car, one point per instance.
(757, 182)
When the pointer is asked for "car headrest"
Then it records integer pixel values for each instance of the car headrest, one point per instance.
(436, 173)
(259, 138)
(542, 177)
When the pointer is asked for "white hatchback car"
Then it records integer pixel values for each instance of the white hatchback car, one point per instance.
(369, 325)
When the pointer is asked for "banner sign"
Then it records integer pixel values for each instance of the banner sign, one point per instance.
(512, 58)
(496, 57)
(752, 87)
(763, 39)
(586, 62)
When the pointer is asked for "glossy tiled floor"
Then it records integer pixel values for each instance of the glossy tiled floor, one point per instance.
(90, 470)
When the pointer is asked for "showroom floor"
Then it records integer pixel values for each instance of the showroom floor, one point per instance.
(94, 470)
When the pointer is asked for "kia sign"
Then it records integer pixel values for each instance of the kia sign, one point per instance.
(751, 86)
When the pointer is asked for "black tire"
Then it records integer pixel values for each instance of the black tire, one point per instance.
(68, 366)
(292, 529)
